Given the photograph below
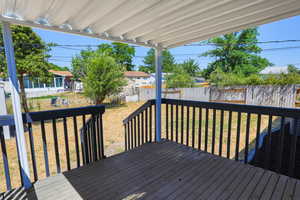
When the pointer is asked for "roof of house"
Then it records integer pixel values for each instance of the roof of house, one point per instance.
(61, 73)
(275, 70)
(136, 74)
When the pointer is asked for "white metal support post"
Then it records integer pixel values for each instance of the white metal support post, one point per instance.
(21, 142)
(158, 86)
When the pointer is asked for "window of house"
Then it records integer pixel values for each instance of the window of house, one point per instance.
(58, 81)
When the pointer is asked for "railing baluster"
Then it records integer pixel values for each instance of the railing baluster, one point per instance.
(139, 130)
(101, 137)
(125, 135)
(129, 136)
(229, 133)
(182, 123)
(67, 143)
(45, 148)
(132, 134)
(155, 138)
(268, 144)
(221, 133)
(135, 132)
(238, 133)
(200, 129)
(58, 168)
(292, 163)
(5, 160)
(206, 129)
(83, 141)
(257, 137)
(93, 136)
(172, 123)
(281, 144)
(247, 138)
(150, 127)
(89, 140)
(187, 125)
(213, 132)
(143, 126)
(76, 140)
(98, 145)
(176, 139)
(32, 151)
(146, 125)
(193, 127)
(167, 121)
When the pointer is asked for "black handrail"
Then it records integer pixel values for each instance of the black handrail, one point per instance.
(139, 110)
(90, 133)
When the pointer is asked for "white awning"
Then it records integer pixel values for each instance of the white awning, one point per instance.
(152, 23)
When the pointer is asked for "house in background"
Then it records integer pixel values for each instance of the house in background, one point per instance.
(35, 88)
(275, 70)
(138, 79)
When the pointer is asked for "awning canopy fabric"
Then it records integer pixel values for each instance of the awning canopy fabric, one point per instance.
(152, 23)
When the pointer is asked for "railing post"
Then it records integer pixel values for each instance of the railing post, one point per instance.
(10, 58)
(158, 84)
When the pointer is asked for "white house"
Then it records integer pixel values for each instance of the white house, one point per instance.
(34, 87)
(137, 78)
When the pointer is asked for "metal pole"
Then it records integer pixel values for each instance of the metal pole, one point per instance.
(21, 142)
(158, 84)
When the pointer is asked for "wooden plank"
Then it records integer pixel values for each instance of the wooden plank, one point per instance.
(289, 189)
(252, 184)
(203, 184)
(238, 191)
(280, 187)
(270, 187)
(184, 178)
(261, 185)
(235, 183)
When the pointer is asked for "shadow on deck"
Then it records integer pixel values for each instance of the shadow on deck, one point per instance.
(165, 170)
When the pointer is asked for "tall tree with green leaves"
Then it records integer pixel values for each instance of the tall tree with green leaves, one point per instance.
(236, 53)
(31, 55)
(179, 78)
(79, 63)
(104, 77)
(190, 66)
(149, 62)
(122, 53)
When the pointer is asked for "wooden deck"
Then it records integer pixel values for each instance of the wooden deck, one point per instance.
(165, 170)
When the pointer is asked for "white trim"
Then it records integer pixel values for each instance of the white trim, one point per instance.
(21, 142)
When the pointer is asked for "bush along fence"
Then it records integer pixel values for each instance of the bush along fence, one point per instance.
(271, 95)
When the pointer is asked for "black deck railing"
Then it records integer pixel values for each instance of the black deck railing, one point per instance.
(248, 133)
(139, 126)
(54, 142)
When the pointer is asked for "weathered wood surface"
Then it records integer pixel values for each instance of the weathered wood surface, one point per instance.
(163, 170)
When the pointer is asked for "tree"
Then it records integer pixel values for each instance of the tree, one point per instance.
(58, 68)
(149, 62)
(79, 63)
(236, 53)
(122, 53)
(31, 55)
(191, 67)
(104, 77)
(179, 78)
(293, 69)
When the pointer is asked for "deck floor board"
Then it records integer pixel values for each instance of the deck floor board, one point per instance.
(165, 170)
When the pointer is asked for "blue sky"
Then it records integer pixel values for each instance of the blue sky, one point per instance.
(287, 29)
